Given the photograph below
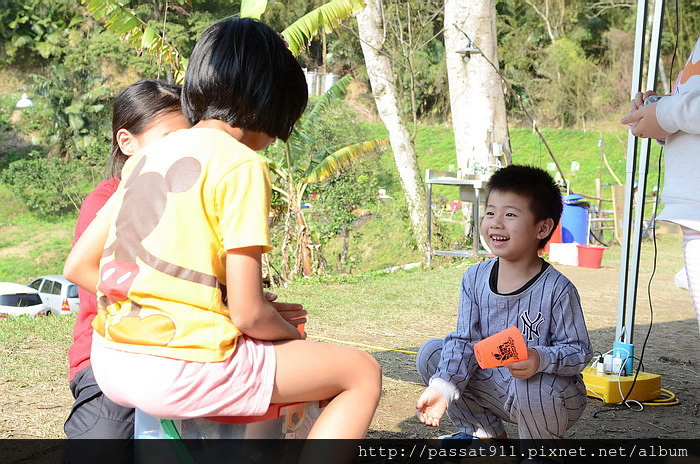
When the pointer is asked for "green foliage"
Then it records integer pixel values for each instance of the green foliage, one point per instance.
(570, 62)
(432, 91)
(10, 208)
(38, 29)
(106, 45)
(139, 33)
(382, 242)
(571, 76)
(253, 8)
(36, 120)
(54, 186)
(336, 201)
(418, 56)
(293, 163)
(294, 169)
(77, 104)
(7, 106)
(39, 183)
(147, 30)
(681, 27)
(323, 19)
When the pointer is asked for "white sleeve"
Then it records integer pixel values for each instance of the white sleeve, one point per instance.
(680, 112)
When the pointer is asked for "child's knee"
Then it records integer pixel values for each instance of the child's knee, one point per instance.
(428, 358)
(373, 366)
(370, 370)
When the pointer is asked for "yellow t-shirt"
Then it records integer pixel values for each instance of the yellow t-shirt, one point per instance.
(180, 206)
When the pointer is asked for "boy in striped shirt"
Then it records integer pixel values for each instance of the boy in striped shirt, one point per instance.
(544, 394)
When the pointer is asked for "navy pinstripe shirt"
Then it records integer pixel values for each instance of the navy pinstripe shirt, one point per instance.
(548, 314)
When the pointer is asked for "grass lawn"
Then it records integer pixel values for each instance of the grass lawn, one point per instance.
(377, 312)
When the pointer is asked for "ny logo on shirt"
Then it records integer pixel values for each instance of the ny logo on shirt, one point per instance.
(531, 328)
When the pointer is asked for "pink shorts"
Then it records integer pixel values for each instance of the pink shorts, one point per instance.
(175, 389)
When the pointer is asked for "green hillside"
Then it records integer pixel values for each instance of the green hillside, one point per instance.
(32, 245)
(385, 240)
(435, 150)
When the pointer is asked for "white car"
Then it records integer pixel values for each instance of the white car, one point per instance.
(16, 299)
(59, 295)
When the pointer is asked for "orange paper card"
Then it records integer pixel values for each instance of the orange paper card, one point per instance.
(500, 349)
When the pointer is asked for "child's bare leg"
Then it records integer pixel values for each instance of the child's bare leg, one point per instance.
(309, 371)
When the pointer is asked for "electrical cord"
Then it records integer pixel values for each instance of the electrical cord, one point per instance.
(635, 405)
(653, 235)
(670, 398)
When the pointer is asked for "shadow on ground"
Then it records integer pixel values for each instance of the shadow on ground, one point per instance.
(671, 350)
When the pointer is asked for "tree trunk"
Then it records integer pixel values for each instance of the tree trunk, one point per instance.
(381, 78)
(342, 259)
(476, 90)
(303, 243)
(296, 254)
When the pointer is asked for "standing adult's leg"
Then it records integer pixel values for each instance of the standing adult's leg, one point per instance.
(691, 252)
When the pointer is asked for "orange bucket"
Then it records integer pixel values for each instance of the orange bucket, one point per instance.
(590, 256)
(500, 349)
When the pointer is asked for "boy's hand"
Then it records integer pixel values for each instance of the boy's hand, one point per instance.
(525, 369)
(431, 407)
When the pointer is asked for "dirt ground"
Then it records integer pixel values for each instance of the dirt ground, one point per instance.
(672, 351)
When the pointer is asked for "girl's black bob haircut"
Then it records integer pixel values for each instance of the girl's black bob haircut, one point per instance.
(536, 185)
(241, 72)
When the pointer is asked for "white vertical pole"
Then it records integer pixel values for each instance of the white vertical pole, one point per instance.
(629, 265)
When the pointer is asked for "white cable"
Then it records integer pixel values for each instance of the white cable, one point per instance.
(595, 393)
(619, 387)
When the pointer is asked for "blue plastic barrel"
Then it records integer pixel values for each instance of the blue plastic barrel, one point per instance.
(574, 220)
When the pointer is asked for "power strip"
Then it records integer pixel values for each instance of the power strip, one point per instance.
(609, 386)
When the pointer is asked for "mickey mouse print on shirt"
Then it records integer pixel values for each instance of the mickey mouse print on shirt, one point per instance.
(136, 220)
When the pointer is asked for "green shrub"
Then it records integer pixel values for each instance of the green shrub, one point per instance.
(77, 105)
(51, 186)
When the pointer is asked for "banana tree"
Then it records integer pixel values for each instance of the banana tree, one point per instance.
(121, 20)
(324, 19)
(294, 171)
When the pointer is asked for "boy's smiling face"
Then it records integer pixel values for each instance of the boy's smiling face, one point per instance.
(509, 226)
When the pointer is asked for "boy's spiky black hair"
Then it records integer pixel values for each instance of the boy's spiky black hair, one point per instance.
(535, 184)
(241, 72)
